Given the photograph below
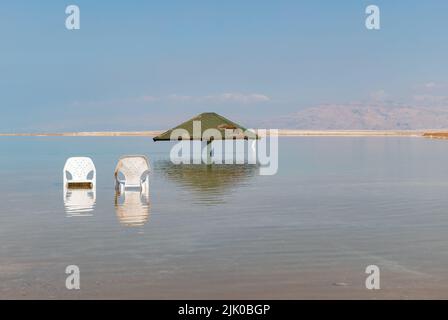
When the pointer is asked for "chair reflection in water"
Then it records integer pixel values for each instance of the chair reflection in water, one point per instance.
(132, 207)
(132, 203)
(79, 176)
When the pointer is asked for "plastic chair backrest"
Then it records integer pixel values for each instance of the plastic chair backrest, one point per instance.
(133, 168)
(79, 169)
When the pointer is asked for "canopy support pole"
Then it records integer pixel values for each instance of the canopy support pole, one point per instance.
(209, 152)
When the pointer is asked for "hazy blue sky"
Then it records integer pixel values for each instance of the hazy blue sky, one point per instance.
(137, 65)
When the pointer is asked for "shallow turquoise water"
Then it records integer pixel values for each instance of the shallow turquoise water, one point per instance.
(335, 206)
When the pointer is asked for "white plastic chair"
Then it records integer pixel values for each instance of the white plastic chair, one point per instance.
(135, 170)
(79, 169)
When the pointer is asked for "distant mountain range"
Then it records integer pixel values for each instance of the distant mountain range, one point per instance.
(361, 117)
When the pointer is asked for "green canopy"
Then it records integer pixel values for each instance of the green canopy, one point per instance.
(208, 120)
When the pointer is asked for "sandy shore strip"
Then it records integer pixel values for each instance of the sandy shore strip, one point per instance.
(436, 135)
(87, 134)
(281, 132)
(349, 133)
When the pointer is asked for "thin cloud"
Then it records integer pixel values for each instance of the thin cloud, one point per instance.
(239, 98)
(430, 86)
(379, 95)
(433, 93)
(149, 99)
(222, 98)
(431, 99)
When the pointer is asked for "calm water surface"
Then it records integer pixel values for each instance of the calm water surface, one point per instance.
(336, 206)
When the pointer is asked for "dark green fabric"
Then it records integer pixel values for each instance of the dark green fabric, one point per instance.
(209, 120)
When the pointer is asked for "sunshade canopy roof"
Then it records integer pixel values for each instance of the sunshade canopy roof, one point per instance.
(224, 129)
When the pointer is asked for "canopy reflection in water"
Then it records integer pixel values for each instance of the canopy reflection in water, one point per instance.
(132, 207)
(209, 184)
